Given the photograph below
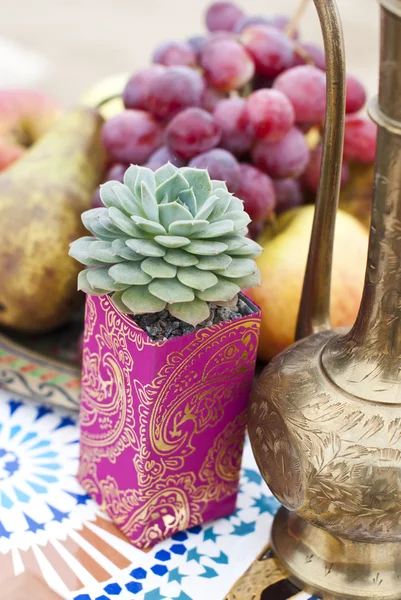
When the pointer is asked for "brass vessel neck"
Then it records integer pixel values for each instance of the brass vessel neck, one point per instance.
(367, 361)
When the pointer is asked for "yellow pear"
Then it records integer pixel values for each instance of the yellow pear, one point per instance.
(282, 266)
(42, 197)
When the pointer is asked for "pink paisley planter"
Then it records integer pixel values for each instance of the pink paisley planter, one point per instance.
(163, 423)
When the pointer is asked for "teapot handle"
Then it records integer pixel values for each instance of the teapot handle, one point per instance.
(314, 311)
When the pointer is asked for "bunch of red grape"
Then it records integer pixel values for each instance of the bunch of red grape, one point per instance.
(239, 102)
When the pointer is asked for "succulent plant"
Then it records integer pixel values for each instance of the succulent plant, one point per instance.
(171, 238)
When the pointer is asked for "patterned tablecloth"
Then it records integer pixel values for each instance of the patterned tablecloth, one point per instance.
(49, 526)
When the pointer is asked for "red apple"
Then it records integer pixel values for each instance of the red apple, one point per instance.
(25, 115)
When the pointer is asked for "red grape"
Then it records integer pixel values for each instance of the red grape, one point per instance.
(197, 43)
(173, 90)
(175, 53)
(286, 158)
(271, 50)
(257, 191)
(131, 136)
(226, 114)
(360, 139)
(247, 21)
(227, 65)
(311, 175)
(211, 98)
(136, 91)
(282, 22)
(267, 114)
(116, 172)
(223, 16)
(191, 132)
(288, 194)
(221, 165)
(305, 86)
(312, 52)
(162, 156)
(356, 95)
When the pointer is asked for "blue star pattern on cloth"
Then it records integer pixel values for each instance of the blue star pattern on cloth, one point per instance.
(44, 511)
(38, 463)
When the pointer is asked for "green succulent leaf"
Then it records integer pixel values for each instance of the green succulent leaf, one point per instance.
(129, 273)
(195, 279)
(199, 181)
(104, 252)
(235, 204)
(240, 267)
(169, 213)
(149, 204)
(171, 291)
(164, 173)
(108, 224)
(125, 224)
(145, 176)
(172, 241)
(121, 248)
(223, 291)
(85, 286)
(116, 299)
(172, 187)
(187, 228)
(206, 209)
(90, 219)
(250, 249)
(234, 242)
(222, 203)
(239, 218)
(194, 312)
(214, 263)
(218, 185)
(180, 258)
(217, 229)
(205, 247)
(130, 177)
(188, 198)
(149, 226)
(140, 301)
(158, 267)
(146, 247)
(80, 251)
(100, 279)
(248, 281)
(229, 304)
(130, 203)
(134, 177)
(108, 194)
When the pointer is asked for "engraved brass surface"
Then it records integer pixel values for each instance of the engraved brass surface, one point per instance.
(325, 416)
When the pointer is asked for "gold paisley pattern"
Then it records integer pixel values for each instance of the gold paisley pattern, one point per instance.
(334, 459)
(163, 425)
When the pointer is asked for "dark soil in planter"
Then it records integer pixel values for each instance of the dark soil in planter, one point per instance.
(162, 326)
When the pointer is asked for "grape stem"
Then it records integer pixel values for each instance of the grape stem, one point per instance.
(292, 26)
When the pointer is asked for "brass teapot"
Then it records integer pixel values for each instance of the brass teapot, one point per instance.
(325, 416)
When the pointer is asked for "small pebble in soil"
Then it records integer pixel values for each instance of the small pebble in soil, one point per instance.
(163, 326)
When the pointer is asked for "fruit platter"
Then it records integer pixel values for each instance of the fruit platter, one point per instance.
(235, 101)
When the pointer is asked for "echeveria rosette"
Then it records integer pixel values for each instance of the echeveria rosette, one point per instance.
(171, 238)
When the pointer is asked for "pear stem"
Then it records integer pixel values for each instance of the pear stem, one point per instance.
(292, 26)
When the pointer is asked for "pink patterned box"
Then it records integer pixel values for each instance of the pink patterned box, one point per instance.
(163, 423)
